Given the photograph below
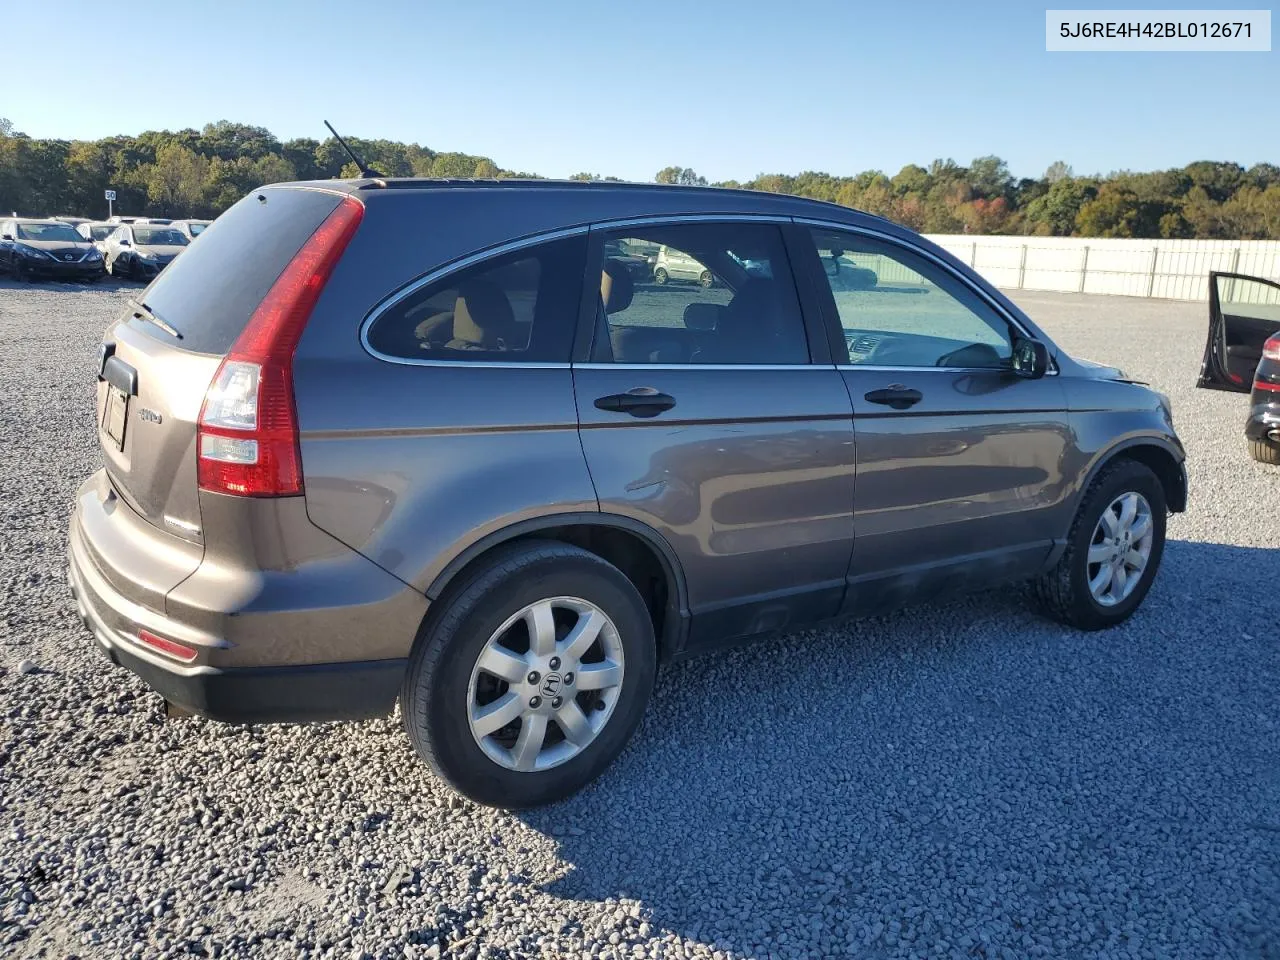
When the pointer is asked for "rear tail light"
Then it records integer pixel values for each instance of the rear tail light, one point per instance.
(1271, 349)
(247, 438)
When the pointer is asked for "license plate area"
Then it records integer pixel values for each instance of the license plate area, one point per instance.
(114, 415)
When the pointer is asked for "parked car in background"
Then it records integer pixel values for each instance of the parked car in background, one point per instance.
(141, 250)
(74, 221)
(525, 479)
(1243, 354)
(39, 249)
(119, 219)
(637, 264)
(675, 265)
(190, 228)
(97, 233)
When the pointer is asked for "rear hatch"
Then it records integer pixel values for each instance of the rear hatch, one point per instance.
(160, 355)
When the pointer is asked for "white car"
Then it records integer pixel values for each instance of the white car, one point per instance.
(141, 250)
(674, 264)
(190, 228)
(97, 233)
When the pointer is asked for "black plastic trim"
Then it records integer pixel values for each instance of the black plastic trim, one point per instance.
(331, 691)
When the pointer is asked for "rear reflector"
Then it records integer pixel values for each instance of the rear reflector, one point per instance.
(1263, 385)
(170, 648)
(248, 430)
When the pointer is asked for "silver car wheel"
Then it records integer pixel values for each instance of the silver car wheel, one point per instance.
(1120, 548)
(545, 684)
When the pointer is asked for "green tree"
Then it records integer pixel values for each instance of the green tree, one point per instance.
(1058, 170)
(682, 175)
(175, 186)
(1055, 212)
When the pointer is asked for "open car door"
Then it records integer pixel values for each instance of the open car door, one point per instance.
(1243, 312)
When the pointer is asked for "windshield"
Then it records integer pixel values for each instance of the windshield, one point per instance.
(196, 228)
(158, 237)
(102, 232)
(60, 232)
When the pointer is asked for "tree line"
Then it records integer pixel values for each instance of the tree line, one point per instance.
(199, 173)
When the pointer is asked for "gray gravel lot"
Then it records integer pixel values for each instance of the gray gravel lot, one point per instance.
(964, 780)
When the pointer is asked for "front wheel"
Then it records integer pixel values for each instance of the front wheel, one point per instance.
(533, 678)
(705, 279)
(1113, 550)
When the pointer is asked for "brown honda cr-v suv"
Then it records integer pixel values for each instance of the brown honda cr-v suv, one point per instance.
(429, 441)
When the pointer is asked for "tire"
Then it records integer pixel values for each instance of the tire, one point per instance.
(705, 279)
(1264, 451)
(443, 685)
(660, 276)
(1064, 592)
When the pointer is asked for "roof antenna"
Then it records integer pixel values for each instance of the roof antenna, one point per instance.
(365, 169)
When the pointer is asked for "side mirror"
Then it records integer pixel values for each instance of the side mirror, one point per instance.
(7, 236)
(125, 243)
(1030, 358)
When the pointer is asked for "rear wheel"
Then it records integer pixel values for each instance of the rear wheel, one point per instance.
(660, 276)
(534, 676)
(1264, 451)
(1113, 550)
(706, 279)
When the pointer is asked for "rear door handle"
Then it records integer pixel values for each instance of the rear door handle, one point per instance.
(639, 402)
(895, 396)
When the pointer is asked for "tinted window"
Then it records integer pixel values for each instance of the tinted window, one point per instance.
(209, 293)
(900, 310)
(159, 237)
(696, 301)
(517, 308)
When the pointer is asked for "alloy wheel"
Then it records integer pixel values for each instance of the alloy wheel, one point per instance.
(545, 684)
(1120, 548)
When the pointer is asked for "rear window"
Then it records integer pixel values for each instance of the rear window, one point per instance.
(517, 308)
(209, 293)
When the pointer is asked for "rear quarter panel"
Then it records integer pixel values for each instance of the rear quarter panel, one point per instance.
(410, 465)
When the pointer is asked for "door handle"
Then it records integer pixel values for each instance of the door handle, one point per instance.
(896, 396)
(639, 402)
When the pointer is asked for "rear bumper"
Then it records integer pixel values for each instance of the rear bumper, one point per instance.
(292, 694)
(1264, 422)
(272, 649)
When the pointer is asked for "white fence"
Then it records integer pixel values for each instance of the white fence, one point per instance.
(1172, 269)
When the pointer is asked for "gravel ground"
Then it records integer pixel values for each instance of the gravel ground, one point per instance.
(965, 780)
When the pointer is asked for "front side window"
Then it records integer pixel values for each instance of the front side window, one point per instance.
(516, 308)
(694, 301)
(897, 309)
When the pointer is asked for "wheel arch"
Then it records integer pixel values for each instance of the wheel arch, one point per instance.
(1164, 460)
(640, 552)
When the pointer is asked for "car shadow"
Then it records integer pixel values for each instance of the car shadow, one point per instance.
(960, 779)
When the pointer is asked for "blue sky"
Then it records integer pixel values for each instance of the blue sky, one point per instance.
(621, 87)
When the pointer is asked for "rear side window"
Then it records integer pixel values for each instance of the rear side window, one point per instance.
(209, 292)
(520, 307)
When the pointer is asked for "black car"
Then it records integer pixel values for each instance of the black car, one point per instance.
(31, 249)
(1243, 354)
